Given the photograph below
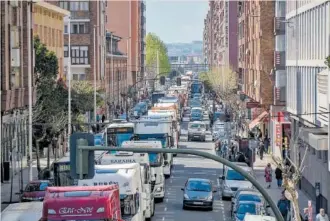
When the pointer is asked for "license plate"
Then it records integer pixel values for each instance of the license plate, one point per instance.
(198, 203)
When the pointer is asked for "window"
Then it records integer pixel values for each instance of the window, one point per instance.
(79, 28)
(79, 6)
(79, 54)
(106, 19)
(65, 29)
(64, 5)
(66, 51)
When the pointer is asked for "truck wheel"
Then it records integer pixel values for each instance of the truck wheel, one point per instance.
(153, 208)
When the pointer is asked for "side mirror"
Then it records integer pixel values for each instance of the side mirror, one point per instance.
(268, 206)
(182, 189)
(222, 178)
(214, 191)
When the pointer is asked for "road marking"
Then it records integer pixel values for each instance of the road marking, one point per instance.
(166, 200)
(171, 181)
(163, 218)
(165, 209)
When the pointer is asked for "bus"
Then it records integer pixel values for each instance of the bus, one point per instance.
(117, 133)
(60, 170)
(88, 203)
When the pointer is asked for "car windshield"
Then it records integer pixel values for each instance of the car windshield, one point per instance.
(202, 186)
(196, 126)
(234, 175)
(249, 197)
(247, 208)
(33, 187)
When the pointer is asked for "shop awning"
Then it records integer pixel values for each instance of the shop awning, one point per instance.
(258, 120)
(317, 138)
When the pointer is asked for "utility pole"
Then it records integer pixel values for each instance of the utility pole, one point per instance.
(95, 75)
(69, 79)
(30, 72)
(157, 71)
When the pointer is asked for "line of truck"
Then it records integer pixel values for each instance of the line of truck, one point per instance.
(126, 185)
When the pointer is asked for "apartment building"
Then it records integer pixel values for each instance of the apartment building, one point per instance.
(307, 47)
(256, 58)
(126, 19)
(208, 36)
(48, 25)
(14, 68)
(87, 18)
(116, 66)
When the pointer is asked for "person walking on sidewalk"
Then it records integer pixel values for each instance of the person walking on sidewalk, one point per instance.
(322, 216)
(268, 175)
(284, 206)
(278, 176)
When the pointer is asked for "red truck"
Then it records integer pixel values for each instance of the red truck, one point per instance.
(88, 203)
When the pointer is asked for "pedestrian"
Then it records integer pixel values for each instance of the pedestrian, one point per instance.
(278, 176)
(261, 150)
(103, 118)
(322, 216)
(306, 215)
(266, 144)
(284, 206)
(97, 118)
(268, 175)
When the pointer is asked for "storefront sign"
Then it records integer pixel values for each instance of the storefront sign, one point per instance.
(278, 135)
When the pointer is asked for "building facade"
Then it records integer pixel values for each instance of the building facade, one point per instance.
(116, 69)
(256, 43)
(48, 25)
(220, 34)
(86, 17)
(307, 46)
(14, 68)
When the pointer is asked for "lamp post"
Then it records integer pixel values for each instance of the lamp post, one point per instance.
(94, 70)
(69, 78)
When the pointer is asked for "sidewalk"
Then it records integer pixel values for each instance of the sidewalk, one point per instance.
(274, 191)
(5, 187)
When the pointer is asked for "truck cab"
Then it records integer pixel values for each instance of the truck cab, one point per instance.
(157, 128)
(128, 178)
(117, 133)
(122, 157)
(74, 202)
(156, 161)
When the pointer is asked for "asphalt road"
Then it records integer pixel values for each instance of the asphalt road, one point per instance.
(189, 166)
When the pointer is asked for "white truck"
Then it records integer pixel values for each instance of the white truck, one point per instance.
(22, 212)
(128, 178)
(175, 124)
(157, 166)
(157, 128)
(122, 157)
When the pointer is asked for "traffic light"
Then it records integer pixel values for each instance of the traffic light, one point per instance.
(178, 81)
(162, 80)
(88, 162)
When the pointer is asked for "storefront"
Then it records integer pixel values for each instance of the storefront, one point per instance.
(280, 132)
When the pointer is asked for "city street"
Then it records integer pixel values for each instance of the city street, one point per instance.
(189, 166)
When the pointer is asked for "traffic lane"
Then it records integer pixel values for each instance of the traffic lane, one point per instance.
(188, 166)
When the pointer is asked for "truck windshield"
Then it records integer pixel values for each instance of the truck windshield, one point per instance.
(155, 159)
(116, 136)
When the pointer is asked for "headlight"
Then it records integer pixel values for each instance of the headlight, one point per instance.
(225, 186)
(186, 196)
(209, 198)
(159, 189)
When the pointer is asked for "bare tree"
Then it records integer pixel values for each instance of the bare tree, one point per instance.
(292, 175)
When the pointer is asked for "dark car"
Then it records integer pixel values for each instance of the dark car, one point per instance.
(35, 191)
(250, 207)
(198, 193)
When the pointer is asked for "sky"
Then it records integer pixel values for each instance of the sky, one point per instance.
(176, 21)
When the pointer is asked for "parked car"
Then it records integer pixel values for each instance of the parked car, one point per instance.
(198, 193)
(35, 190)
(252, 196)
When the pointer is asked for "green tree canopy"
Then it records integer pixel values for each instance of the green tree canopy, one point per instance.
(154, 44)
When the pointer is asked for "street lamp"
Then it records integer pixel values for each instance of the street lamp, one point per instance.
(94, 69)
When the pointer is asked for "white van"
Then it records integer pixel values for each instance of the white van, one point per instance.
(23, 212)
(249, 217)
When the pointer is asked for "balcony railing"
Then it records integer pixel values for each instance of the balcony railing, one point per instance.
(80, 15)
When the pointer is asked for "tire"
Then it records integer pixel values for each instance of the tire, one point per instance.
(184, 207)
(174, 155)
(154, 208)
(161, 200)
(167, 176)
(211, 208)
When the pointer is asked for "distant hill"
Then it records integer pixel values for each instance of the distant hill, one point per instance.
(185, 49)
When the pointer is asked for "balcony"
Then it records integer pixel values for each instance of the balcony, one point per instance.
(80, 15)
(279, 60)
(279, 25)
